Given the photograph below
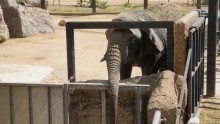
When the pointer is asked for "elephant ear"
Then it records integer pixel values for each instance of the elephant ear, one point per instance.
(157, 37)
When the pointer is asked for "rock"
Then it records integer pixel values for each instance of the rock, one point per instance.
(4, 33)
(62, 23)
(167, 11)
(165, 96)
(26, 21)
(7, 3)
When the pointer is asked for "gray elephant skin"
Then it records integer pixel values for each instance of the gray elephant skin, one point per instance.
(144, 47)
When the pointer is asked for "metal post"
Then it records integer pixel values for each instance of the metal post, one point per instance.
(211, 52)
(145, 4)
(93, 7)
(138, 105)
(43, 4)
(70, 53)
(157, 117)
(170, 46)
(66, 103)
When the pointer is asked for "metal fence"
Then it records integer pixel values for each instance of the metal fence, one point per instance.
(196, 66)
(28, 103)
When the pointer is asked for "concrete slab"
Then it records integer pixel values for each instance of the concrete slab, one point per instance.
(14, 73)
(217, 86)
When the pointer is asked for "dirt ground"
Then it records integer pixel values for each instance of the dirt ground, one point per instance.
(50, 50)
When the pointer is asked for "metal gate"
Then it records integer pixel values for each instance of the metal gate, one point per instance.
(29, 103)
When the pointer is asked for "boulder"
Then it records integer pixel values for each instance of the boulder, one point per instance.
(7, 3)
(165, 96)
(26, 21)
(4, 33)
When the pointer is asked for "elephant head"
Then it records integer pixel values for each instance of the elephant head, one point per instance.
(127, 48)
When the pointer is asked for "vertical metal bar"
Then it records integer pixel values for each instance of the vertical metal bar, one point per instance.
(170, 46)
(93, 6)
(70, 52)
(183, 90)
(30, 104)
(193, 69)
(103, 107)
(138, 105)
(157, 117)
(66, 103)
(49, 105)
(189, 79)
(43, 4)
(211, 52)
(145, 4)
(11, 104)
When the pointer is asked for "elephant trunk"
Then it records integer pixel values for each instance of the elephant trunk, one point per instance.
(113, 60)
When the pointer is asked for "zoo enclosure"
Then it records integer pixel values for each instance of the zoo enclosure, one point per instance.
(138, 88)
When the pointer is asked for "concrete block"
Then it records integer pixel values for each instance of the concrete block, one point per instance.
(181, 41)
(13, 73)
(165, 96)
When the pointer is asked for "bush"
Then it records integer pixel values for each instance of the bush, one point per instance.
(101, 5)
(127, 5)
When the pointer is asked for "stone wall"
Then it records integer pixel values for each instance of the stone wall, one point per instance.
(4, 34)
(181, 40)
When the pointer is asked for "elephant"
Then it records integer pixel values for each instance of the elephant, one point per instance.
(143, 47)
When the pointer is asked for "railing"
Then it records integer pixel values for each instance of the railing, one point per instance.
(196, 66)
(194, 72)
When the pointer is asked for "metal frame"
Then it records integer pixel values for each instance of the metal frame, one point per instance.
(70, 26)
(138, 88)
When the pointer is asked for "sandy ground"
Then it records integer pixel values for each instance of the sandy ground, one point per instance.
(50, 50)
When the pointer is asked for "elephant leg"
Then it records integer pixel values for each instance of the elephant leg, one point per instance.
(125, 71)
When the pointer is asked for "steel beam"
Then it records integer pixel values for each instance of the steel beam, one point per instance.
(211, 52)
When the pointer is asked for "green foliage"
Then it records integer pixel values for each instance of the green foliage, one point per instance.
(101, 5)
(127, 4)
(82, 3)
(203, 2)
(19, 1)
(88, 3)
